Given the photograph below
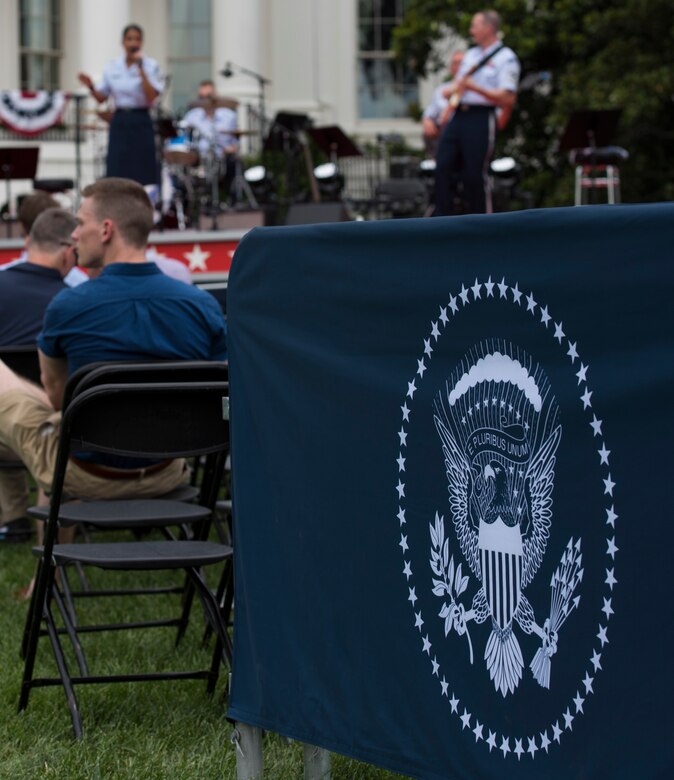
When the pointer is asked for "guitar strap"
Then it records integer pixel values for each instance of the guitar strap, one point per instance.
(485, 60)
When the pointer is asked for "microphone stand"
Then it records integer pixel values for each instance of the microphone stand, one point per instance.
(159, 148)
(228, 72)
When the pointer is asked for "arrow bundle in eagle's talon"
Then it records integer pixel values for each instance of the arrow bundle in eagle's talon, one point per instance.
(565, 580)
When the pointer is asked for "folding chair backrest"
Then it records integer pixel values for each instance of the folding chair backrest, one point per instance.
(23, 360)
(162, 420)
(154, 371)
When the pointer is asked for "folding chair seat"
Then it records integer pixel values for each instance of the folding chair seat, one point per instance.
(154, 420)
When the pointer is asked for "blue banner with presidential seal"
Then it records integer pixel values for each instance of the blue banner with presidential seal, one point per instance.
(452, 475)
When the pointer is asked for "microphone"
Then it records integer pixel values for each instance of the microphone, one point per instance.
(135, 50)
(227, 72)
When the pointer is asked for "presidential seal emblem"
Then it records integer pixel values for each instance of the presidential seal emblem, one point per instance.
(498, 425)
(510, 579)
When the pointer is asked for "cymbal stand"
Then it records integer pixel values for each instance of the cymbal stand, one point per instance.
(240, 186)
(212, 166)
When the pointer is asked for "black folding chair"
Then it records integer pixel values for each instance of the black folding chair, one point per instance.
(142, 515)
(160, 420)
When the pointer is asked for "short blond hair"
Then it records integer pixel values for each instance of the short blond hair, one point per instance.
(126, 203)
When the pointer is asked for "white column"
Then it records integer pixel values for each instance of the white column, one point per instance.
(238, 36)
(100, 33)
(152, 16)
(292, 42)
(9, 45)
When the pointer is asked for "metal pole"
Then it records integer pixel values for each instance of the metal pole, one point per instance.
(78, 147)
(249, 758)
(316, 763)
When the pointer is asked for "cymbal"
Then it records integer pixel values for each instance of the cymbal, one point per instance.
(215, 102)
(239, 133)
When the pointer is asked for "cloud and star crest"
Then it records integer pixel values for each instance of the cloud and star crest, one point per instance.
(528, 745)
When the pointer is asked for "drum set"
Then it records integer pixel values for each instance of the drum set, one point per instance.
(198, 178)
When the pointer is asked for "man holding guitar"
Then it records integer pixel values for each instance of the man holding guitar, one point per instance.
(487, 80)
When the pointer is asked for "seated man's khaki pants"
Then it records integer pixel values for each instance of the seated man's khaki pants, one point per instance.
(30, 428)
(14, 496)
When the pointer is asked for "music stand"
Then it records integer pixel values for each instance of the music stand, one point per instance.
(293, 122)
(333, 142)
(285, 128)
(17, 162)
(590, 129)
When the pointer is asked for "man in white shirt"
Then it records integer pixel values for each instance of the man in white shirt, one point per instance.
(215, 126)
(487, 80)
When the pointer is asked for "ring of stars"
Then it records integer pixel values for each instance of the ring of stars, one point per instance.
(543, 740)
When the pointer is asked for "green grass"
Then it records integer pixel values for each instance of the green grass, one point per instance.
(142, 730)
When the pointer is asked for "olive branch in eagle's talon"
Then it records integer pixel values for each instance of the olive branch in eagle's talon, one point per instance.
(448, 581)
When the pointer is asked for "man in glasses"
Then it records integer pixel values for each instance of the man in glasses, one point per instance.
(26, 289)
(30, 209)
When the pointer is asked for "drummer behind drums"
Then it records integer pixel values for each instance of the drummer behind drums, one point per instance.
(215, 125)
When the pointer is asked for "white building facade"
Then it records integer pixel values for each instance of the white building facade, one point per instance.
(329, 59)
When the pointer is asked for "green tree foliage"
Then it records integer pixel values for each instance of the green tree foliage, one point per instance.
(600, 54)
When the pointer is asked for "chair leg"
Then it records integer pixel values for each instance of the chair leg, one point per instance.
(43, 583)
(224, 587)
(84, 582)
(222, 648)
(226, 611)
(29, 614)
(214, 671)
(67, 594)
(71, 630)
(188, 598)
(212, 609)
(62, 667)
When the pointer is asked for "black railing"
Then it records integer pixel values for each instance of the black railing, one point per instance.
(70, 129)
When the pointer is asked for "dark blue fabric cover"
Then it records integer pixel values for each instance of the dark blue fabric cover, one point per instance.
(492, 393)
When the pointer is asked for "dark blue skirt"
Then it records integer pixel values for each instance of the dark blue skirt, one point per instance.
(131, 148)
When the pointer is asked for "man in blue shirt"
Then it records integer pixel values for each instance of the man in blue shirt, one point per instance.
(30, 209)
(131, 311)
(25, 291)
(27, 288)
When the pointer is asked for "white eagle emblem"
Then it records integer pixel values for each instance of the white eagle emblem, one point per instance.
(498, 425)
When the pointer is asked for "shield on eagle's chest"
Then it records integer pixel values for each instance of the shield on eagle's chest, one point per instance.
(501, 560)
